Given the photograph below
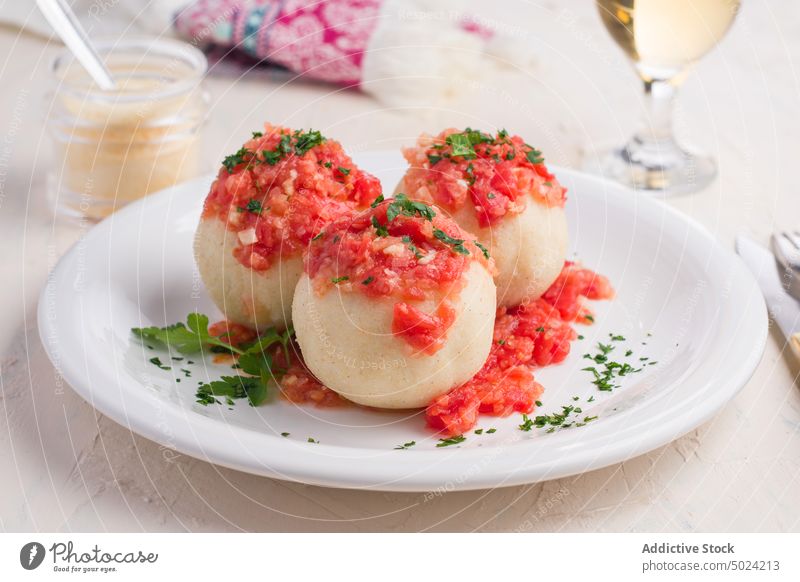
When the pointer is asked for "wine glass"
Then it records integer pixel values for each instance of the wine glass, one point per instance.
(663, 38)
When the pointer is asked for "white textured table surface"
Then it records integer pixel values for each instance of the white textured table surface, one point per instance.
(65, 467)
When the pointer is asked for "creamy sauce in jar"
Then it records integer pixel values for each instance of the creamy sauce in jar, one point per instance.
(113, 147)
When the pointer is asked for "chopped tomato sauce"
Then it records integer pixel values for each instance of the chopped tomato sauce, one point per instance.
(573, 282)
(383, 252)
(281, 188)
(494, 174)
(425, 332)
(232, 333)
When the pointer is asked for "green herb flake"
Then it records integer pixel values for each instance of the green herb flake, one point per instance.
(368, 280)
(380, 229)
(230, 162)
(401, 204)
(157, 363)
(254, 206)
(534, 156)
(451, 441)
(456, 244)
(405, 446)
(338, 280)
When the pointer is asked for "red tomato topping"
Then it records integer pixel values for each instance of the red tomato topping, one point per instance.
(399, 248)
(573, 282)
(232, 333)
(281, 188)
(525, 337)
(495, 175)
(422, 331)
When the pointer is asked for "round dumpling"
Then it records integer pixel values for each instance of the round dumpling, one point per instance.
(396, 305)
(497, 188)
(269, 200)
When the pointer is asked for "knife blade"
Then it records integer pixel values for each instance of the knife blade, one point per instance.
(783, 308)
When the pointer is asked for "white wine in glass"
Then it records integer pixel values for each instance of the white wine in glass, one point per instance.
(663, 38)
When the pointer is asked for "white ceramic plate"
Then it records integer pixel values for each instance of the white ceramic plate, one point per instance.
(690, 301)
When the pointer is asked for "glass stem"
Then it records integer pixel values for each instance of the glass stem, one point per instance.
(659, 101)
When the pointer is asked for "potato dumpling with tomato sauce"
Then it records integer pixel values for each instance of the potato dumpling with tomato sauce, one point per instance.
(396, 306)
(268, 201)
(497, 188)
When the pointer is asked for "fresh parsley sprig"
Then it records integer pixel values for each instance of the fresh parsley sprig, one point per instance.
(254, 358)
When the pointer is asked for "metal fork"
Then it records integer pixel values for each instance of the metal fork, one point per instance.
(786, 248)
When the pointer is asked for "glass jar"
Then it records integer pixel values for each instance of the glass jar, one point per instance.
(113, 147)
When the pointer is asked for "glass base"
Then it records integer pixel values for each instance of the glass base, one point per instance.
(655, 168)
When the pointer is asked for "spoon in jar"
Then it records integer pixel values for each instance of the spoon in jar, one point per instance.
(66, 25)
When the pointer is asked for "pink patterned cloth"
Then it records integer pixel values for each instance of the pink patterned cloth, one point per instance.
(322, 39)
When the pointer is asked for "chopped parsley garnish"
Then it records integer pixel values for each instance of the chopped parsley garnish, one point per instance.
(312, 440)
(540, 329)
(401, 204)
(157, 362)
(257, 134)
(451, 441)
(305, 140)
(285, 434)
(483, 249)
(368, 280)
(380, 229)
(550, 420)
(463, 144)
(460, 144)
(377, 201)
(254, 206)
(534, 156)
(478, 431)
(470, 171)
(433, 160)
(344, 171)
(337, 280)
(457, 244)
(319, 236)
(608, 371)
(233, 387)
(271, 158)
(230, 162)
(297, 143)
(405, 446)
(411, 246)
(491, 431)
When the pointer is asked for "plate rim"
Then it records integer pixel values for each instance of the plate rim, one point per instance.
(325, 464)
